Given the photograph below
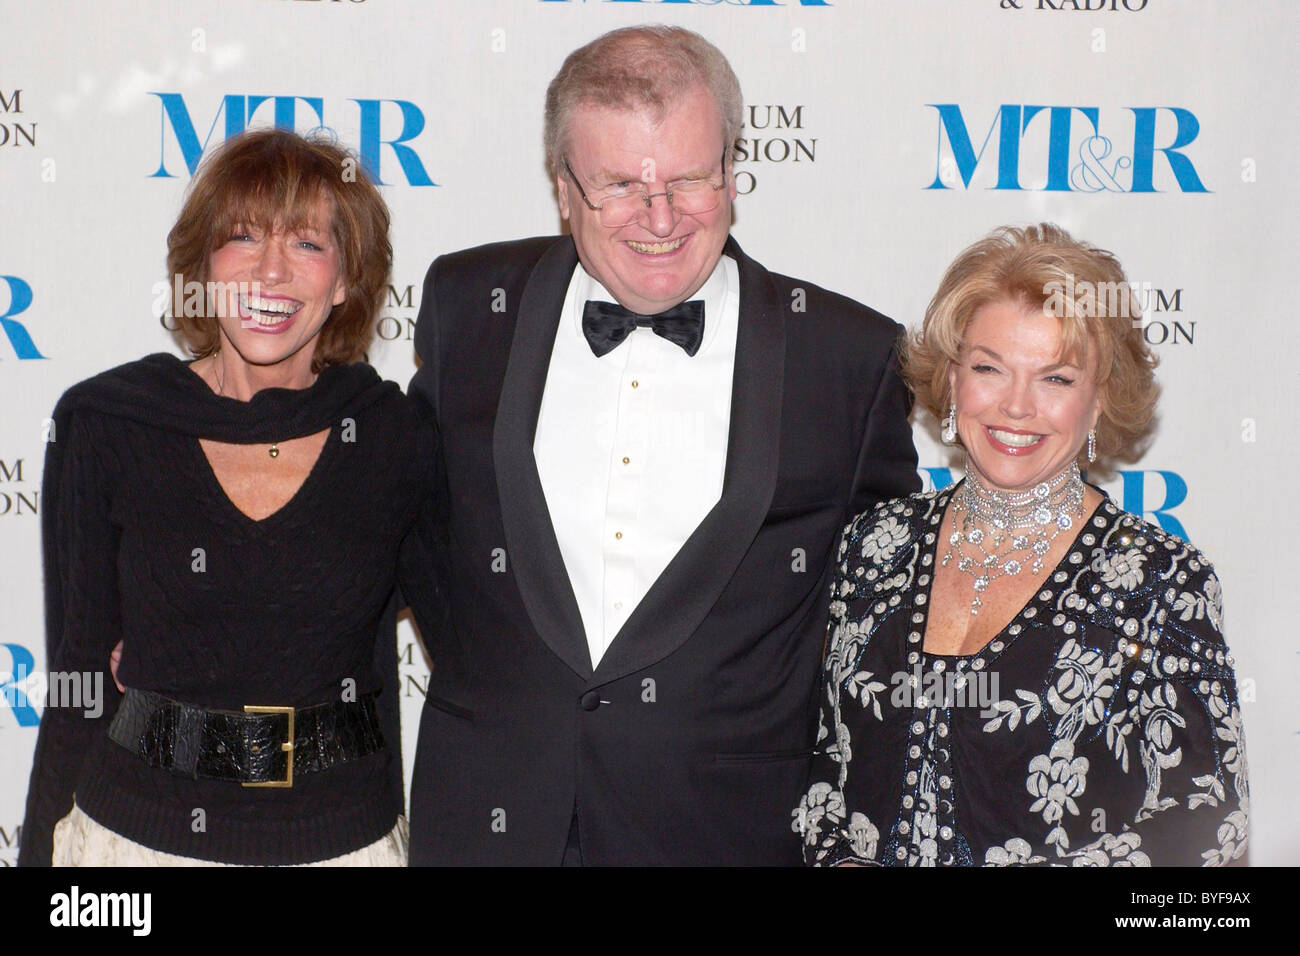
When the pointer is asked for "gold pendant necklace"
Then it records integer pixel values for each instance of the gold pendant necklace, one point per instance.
(274, 450)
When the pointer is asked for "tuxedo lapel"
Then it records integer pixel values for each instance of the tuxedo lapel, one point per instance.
(531, 545)
(683, 595)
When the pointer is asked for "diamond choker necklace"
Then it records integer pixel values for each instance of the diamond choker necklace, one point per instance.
(1021, 526)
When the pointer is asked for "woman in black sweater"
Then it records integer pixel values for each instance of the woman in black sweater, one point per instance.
(235, 524)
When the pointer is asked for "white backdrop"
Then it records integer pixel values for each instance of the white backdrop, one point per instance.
(882, 138)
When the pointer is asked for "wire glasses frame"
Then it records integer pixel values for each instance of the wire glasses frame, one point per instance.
(692, 197)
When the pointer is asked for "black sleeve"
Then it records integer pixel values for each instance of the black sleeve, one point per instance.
(424, 385)
(422, 570)
(1188, 736)
(390, 700)
(1183, 732)
(82, 621)
(834, 832)
(886, 466)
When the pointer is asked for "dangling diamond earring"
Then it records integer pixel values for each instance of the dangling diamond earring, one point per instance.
(949, 433)
(1092, 445)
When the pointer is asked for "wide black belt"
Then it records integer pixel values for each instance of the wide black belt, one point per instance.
(252, 747)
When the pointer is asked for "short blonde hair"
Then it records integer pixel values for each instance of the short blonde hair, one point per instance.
(1042, 266)
(644, 66)
(266, 177)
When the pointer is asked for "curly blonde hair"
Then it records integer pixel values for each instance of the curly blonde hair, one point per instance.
(1042, 266)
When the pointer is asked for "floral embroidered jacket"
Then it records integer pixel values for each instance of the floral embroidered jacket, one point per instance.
(1100, 727)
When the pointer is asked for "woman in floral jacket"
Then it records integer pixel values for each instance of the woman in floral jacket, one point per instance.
(1017, 671)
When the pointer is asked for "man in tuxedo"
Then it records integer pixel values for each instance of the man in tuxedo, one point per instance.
(650, 445)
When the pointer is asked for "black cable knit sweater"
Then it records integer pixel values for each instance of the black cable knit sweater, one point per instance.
(142, 544)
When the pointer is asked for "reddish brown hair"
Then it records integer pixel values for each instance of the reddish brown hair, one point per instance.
(273, 178)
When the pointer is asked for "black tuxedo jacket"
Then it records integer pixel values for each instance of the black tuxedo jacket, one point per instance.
(690, 741)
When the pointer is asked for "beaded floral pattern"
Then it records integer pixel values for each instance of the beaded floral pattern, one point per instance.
(1114, 738)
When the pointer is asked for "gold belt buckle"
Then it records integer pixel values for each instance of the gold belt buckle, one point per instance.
(287, 746)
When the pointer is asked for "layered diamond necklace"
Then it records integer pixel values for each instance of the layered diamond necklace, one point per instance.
(998, 533)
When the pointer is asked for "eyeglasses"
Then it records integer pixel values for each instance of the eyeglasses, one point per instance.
(622, 203)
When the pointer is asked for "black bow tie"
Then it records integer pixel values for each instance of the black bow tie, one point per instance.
(607, 324)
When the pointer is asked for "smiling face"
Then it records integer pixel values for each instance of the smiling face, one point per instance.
(1023, 410)
(662, 257)
(299, 280)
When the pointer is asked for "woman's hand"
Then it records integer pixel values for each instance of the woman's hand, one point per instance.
(114, 659)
